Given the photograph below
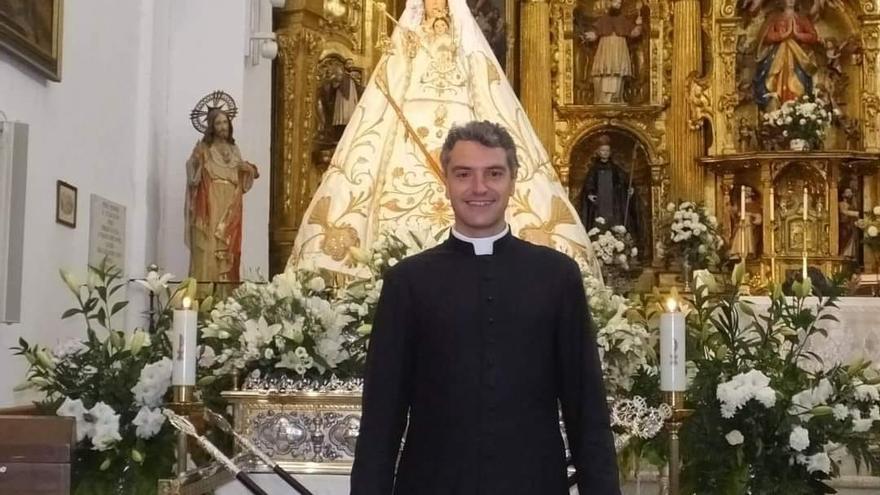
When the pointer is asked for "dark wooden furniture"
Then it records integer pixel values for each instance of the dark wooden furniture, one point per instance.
(36, 454)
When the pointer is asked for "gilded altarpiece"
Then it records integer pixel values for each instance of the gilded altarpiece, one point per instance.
(326, 51)
(683, 111)
(809, 188)
(634, 119)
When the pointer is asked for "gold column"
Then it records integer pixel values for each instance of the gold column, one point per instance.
(685, 144)
(293, 175)
(535, 59)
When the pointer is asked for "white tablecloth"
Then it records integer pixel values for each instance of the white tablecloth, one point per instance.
(855, 334)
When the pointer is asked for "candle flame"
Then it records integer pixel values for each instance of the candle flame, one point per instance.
(187, 303)
(671, 305)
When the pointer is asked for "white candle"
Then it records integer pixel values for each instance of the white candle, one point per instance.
(672, 343)
(183, 344)
(742, 221)
(772, 205)
(806, 200)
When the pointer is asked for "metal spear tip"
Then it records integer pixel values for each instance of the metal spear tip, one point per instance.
(218, 420)
(180, 423)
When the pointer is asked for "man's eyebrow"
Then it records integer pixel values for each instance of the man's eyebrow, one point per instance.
(465, 166)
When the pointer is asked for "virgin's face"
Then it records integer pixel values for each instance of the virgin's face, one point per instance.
(604, 152)
(440, 26)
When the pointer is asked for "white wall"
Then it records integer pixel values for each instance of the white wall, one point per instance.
(118, 126)
(207, 41)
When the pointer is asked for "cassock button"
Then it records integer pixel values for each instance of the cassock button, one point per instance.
(490, 298)
(491, 320)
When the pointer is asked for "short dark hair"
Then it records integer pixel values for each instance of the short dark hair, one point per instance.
(489, 134)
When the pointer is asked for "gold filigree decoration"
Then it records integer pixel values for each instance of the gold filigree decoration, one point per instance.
(699, 102)
(337, 238)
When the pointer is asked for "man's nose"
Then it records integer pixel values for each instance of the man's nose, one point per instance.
(480, 185)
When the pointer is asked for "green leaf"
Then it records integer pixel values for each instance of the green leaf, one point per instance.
(118, 307)
(114, 290)
(821, 411)
(746, 308)
(102, 317)
(70, 312)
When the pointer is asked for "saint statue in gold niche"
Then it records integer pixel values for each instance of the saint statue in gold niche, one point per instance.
(785, 65)
(745, 224)
(848, 212)
(612, 64)
(437, 71)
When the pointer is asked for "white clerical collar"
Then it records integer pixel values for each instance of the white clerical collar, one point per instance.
(482, 245)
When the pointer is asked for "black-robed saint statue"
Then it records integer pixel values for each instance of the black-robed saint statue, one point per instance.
(608, 193)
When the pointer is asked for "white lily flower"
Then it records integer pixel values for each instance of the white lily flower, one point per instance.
(154, 282)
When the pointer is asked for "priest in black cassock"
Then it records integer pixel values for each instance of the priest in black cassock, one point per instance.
(608, 193)
(476, 344)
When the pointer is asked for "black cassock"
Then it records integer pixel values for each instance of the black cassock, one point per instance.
(610, 184)
(480, 350)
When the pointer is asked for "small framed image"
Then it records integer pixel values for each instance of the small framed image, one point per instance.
(65, 204)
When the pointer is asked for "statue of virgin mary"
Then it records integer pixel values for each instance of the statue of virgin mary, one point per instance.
(437, 71)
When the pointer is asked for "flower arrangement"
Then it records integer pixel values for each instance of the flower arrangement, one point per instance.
(806, 118)
(613, 245)
(114, 384)
(294, 323)
(297, 324)
(625, 346)
(692, 236)
(769, 417)
(870, 225)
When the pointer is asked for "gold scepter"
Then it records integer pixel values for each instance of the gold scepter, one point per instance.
(184, 426)
(434, 166)
(220, 422)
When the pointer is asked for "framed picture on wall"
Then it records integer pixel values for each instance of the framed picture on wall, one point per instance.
(31, 31)
(65, 204)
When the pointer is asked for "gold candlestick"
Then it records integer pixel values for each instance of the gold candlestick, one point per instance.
(675, 400)
(183, 403)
